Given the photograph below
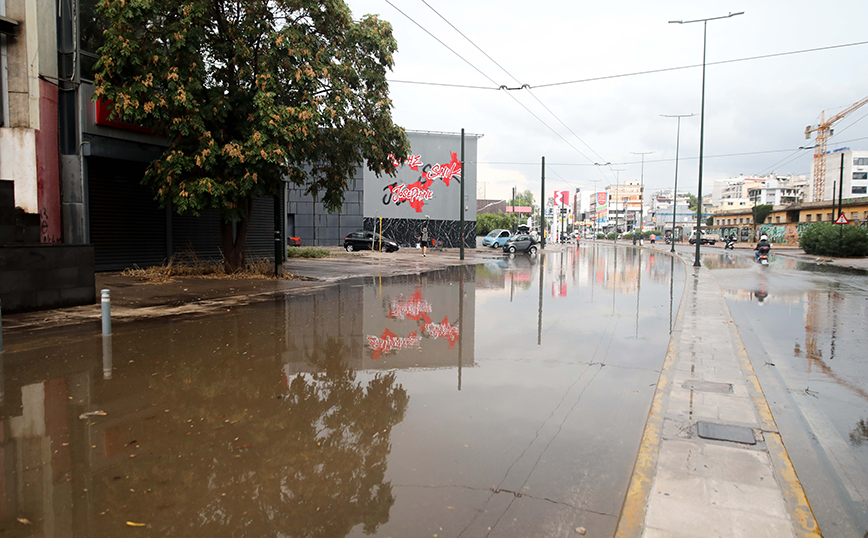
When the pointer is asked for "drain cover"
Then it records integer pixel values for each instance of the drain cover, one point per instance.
(725, 432)
(708, 386)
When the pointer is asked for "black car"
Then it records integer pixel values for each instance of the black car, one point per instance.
(520, 243)
(363, 240)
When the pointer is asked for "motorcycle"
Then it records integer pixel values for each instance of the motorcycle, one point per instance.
(730, 244)
(763, 256)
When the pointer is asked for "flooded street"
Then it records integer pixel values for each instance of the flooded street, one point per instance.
(506, 399)
(804, 327)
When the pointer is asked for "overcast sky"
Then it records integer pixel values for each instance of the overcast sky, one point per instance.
(757, 109)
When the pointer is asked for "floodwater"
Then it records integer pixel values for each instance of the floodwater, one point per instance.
(506, 399)
(804, 327)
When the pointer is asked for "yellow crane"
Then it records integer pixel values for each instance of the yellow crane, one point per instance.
(824, 131)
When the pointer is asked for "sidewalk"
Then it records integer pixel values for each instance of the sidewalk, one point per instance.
(687, 481)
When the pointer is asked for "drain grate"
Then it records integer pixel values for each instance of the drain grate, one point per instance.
(725, 432)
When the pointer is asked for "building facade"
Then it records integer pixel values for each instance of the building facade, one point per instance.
(847, 167)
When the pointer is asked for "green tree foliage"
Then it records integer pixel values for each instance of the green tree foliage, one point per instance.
(250, 93)
(827, 239)
(761, 213)
(692, 200)
(485, 222)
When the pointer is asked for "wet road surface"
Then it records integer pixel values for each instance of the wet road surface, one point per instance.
(504, 399)
(804, 327)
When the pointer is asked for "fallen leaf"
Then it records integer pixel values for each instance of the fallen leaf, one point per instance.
(92, 414)
(24, 520)
(134, 524)
(581, 530)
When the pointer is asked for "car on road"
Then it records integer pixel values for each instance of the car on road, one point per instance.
(707, 239)
(496, 238)
(364, 240)
(520, 243)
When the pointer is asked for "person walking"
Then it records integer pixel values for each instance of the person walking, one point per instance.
(423, 241)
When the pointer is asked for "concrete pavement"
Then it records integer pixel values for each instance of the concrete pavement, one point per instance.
(688, 481)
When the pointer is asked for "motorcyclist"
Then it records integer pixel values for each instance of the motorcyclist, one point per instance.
(762, 247)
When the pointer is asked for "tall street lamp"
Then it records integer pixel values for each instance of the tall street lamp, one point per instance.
(641, 197)
(618, 190)
(702, 127)
(675, 188)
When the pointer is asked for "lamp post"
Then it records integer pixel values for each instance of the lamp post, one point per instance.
(704, 22)
(618, 190)
(675, 188)
(641, 197)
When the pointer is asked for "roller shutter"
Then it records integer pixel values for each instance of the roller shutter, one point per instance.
(127, 227)
(260, 234)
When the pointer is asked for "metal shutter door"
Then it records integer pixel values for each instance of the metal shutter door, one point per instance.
(127, 227)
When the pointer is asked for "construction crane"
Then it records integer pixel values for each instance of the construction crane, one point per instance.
(824, 131)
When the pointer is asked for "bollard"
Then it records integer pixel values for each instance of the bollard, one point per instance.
(106, 313)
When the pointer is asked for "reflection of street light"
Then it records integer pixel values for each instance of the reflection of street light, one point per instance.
(675, 189)
(641, 198)
(702, 128)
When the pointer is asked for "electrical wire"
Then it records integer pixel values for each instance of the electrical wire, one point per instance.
(465, 60)
(522, 86)
(638, 73)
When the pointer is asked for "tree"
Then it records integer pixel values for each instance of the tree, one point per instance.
(250, 93)
(692, 200)
(760, 212)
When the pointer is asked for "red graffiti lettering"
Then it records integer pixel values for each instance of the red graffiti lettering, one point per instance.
(413, 307)
(389, 341)
(416, 194)
(443, 330)
(445, 171)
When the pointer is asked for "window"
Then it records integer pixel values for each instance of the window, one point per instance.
(860, 161)
(777, 219)
(829, 217)
(854, 215)
(860, 175)
(808, 218)
(859, 190)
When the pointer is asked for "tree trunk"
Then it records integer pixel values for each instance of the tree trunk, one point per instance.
(233, 249)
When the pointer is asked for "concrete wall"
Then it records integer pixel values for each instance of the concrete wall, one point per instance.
(39, 277)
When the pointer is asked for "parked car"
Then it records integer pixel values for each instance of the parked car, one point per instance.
(496, 238)
(364, 240)
(520, 243)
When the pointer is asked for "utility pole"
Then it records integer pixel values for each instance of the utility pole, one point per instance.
(641, 197)
(617, 190)
(542, 205)
(675, 188)
(461, 207)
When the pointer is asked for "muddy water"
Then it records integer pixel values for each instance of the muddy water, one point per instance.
(505, 399)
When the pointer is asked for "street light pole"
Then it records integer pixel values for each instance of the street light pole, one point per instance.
(618, 190)
(704, 22)
(675, 188)
(641, 197)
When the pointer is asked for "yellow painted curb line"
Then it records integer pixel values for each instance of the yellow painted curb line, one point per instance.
(631, 521)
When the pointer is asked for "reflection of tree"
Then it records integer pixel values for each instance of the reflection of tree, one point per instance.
(859, 434)
(237, 457)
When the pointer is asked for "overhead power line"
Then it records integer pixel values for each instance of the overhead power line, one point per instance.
(648, 72)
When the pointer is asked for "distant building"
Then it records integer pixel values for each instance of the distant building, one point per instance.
(854, 174)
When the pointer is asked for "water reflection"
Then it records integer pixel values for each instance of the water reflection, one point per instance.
(859, 434)
(375, 406)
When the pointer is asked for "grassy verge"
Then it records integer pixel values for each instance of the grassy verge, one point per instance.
(306, 252)
(191, 266)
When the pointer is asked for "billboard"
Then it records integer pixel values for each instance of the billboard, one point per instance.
(562, 198)
(602, 209)
(428, 180)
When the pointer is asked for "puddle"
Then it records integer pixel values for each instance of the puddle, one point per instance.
(510, 395)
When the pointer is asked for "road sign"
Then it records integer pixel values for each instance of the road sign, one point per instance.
(842, 219)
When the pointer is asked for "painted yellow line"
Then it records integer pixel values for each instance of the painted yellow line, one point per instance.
(631, 522)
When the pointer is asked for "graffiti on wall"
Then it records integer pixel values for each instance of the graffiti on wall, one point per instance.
(417, 193)
(776, 232)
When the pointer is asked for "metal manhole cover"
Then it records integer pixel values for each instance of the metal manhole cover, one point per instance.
(725, 432)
